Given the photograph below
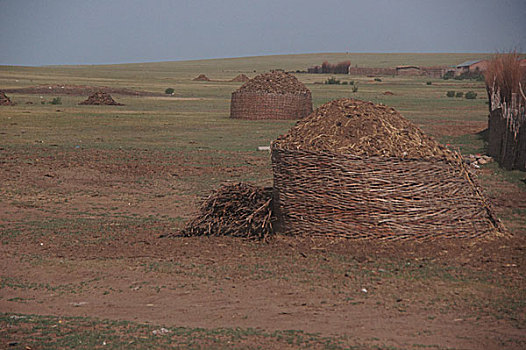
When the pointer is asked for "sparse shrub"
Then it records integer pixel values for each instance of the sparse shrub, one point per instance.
(471, 95)
(476, 75)
(344, 83)
(42, 102)
(448, 75)
(377, 79)
(332, 81)
(450, 94)
(329, 68)
(429, 83)
(355, 88)
(459, 94)
(351, 82)
(169, 91)
(56, 101)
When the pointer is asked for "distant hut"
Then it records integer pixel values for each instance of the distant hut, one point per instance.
(274, 95)
(201, 77)
(408, 70)
(474, 66)
(100, 99)
(241, 78)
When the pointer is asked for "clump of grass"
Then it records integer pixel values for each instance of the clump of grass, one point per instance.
(505, 75)
(471, 95)
(459, 94)
(332, 81)
(450, 93)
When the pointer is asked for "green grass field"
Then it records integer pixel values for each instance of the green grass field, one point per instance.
(87, 190)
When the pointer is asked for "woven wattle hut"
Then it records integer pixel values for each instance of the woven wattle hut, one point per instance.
(274, 95)
(353, 169)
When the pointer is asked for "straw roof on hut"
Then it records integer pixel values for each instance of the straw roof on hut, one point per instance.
(273, 95)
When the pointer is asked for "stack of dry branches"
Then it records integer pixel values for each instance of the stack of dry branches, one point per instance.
(241, 210)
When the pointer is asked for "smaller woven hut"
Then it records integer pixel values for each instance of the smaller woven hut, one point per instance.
(4, 100)
(353, 169)
(100, 98)
(274, 95)
(201, 77)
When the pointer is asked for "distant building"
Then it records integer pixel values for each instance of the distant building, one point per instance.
(472, 67)
(408, 70)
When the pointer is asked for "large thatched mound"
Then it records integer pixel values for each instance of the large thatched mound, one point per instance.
(274, 95)
(241, 210)
(358, 170)
(4, 100)
(100, 98)
(361, 128)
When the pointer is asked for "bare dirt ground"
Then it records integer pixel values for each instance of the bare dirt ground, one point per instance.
(62, 254)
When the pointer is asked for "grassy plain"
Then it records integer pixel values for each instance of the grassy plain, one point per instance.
(86, 191)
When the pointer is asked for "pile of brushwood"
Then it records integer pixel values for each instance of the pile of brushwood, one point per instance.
(275, 82)
(100, 98)
(240, 210)
(4, 100)
(360, 128)
(201, 77)
(242, 78)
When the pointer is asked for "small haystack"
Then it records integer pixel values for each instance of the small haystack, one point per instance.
(241, 78)
(274, 95)
(201, 77)
(4, 100)
(100, 98)
(354, 169)
(240, 210)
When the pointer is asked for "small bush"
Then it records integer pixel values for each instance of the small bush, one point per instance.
(448, 75)
(355, 88)
(377, 79)
(344, 83)
(450, 94)
(42, 102)
(56, 101)
(332, 81)
(471, 95)
(429, 83)
(169, 91)
(351, 82)
(459, 94)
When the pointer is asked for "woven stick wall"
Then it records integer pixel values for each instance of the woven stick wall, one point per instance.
(273, 95)
(257, 105)
(322, 193)
(353, 169)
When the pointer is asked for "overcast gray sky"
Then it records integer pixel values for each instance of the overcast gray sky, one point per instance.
(43, 32)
